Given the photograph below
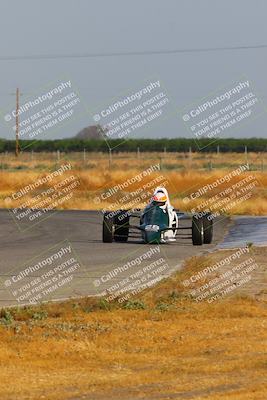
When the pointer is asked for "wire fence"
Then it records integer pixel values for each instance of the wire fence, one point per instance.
(172, 161)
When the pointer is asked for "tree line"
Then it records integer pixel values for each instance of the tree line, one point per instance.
(144, 145)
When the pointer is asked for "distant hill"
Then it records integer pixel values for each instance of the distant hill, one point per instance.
(91, 132)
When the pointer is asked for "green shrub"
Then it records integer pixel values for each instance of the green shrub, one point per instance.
(6, 317)
(134, 305)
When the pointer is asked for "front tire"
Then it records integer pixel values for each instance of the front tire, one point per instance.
(208, 229)
(108, 228)
(197, 231)
(121, 223)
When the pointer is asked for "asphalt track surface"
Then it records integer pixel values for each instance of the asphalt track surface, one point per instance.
(98, 266)
(244, 230)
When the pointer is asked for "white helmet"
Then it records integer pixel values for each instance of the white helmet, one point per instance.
(161, 197)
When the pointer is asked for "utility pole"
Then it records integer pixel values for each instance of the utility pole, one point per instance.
(110, 157)
(17, 123)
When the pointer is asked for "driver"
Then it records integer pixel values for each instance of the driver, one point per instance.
(161, 198)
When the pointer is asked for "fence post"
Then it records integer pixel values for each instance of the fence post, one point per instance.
(165, 152)
(246, 156)
(210, 165)
(160, 163)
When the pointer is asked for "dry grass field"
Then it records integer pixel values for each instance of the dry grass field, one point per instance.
(97, 173)
(161, 345)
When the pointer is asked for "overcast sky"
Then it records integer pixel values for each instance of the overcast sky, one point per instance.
(60, 27)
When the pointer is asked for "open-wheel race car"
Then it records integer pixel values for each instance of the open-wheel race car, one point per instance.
(159, 222)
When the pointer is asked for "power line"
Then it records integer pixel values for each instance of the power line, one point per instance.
(130, 53)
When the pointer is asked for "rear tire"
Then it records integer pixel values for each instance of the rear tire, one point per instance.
(208, 229)
(197, 231)
(121, 223)
(107, 232)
